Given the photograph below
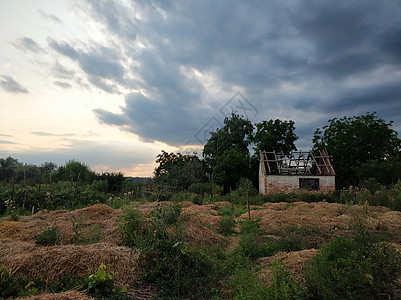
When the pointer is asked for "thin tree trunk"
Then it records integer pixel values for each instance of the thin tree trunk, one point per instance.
(247, 204)
(25, 192)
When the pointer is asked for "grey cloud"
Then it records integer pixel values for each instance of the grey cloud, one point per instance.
(49, 16)
(384, 98)
(42, 133)
(99, 64)
(64, 85)
(61, 71)
(109, 118)
(115, 17)
(266, 48)
(11, 86)
(64, 48)
(7, 142)
(26, 43)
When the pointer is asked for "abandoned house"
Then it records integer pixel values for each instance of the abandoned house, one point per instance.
(297, 170)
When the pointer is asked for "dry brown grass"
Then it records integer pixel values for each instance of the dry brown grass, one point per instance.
(100, 215)
(293, 262)
(69, 295)
(51, 263)
(323, 216)
(197, 234)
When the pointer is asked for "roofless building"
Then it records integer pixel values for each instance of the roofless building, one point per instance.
(298, 170)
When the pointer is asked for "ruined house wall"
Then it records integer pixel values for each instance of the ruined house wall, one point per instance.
(290, 183)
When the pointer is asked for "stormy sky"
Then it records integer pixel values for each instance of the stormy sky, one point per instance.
(112, 83)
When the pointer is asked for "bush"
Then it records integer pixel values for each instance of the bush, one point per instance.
(245, 284)
(8, 286)
(283, 284)
(226, 225)
(133, 229)
(178, 272)
(49, 237)
(101, 285)
(350, 268)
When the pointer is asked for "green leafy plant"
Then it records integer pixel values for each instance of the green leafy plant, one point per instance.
(8, 286)
(227, 224)
(351, 268)
(49, 237)
(79, 237)
(101, 284)
(178, 271)
(284, 285)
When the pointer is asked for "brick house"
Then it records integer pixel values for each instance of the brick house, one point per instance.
(298, 170)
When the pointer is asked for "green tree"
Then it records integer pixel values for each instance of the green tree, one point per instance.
(353, 141)
(177, 171)
(74, 171)
(275, 135)
(8, 167)
(227, 151)
(230, 168)
(236, 132)
(115, 181)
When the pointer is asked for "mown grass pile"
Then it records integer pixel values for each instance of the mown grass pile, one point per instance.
(188, 251)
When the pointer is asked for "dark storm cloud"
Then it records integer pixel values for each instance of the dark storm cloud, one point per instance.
(11, 86)
(288, 58)
(26, 43)
(109, 118)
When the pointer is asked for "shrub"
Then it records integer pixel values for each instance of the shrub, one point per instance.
(200, 188)
(397, 202)
(350, 268)
(8, 286)
(226, 225)
(177, 271)
(372, 185)
(245, 284)
(283, 284)
(49, 237)
(101, 285)
(133, 229)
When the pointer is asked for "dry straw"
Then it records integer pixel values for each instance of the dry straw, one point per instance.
(69, 295)
(51, 263)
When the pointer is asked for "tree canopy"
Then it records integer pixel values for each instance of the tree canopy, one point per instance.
(178, 171)
(353, 141)
(275, 135)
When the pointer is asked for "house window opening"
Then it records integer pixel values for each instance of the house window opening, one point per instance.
(309, 184)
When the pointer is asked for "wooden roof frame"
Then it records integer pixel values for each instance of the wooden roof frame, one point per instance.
(296, 163)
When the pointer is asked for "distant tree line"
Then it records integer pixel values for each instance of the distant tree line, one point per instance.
(363, 148)
(14, 172)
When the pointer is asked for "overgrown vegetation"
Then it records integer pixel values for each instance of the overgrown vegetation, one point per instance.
(99, 285)
(359, 265)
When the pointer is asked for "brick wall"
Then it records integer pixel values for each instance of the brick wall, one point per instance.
(290, 183)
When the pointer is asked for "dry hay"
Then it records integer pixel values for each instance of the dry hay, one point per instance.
(9, 228)
(200, 235)
(323, 216)
(69, 295)
(99, 215)
(51, 263)
(293, 262)
(204, 214)
(391, 220)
